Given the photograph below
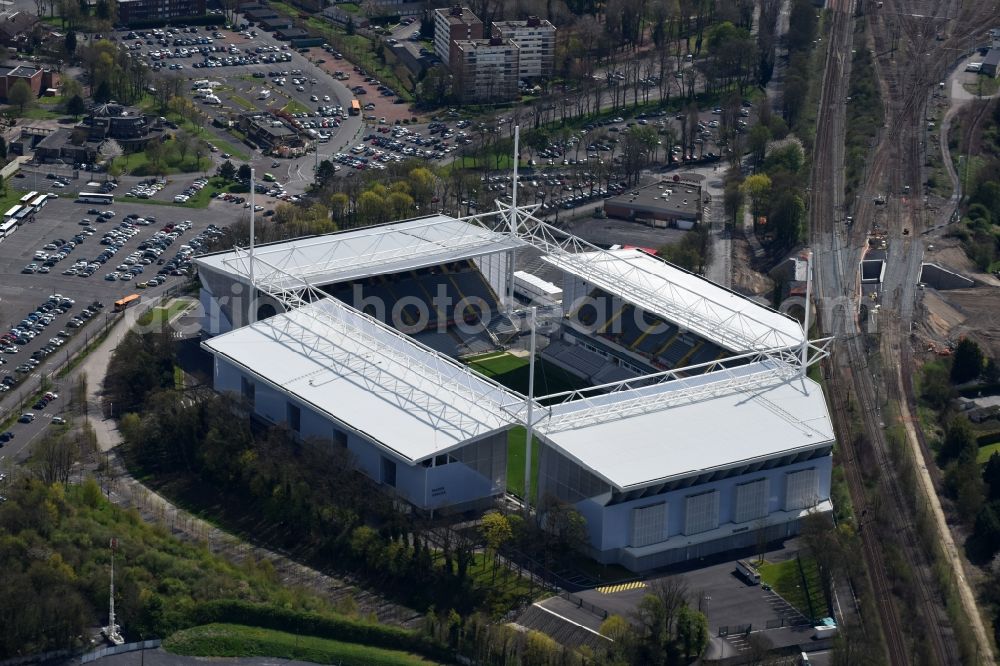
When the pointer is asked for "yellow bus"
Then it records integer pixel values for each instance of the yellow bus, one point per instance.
(355, 109)
(123, 303)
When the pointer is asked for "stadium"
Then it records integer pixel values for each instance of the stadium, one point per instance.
(674, 414)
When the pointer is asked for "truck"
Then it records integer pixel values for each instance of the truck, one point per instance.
(264, 93)
(748, 572)
(825, 631)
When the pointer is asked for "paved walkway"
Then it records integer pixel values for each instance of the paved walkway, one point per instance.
(124, 490)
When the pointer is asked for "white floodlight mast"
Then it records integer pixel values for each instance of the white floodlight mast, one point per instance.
(512, 222)
(252, 305)
(805, 326)
(529, 413)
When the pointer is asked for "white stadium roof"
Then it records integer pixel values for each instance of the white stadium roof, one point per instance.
(382, 383)
(734, 419)
(707, 309)
(358, 253)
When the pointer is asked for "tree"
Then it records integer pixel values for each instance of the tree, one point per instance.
(3, 148)
(958, 439)
(69, 43)
(935, 387)
(324, 173)
(991, 476)
(109, 151)
(243, 173)
(786, 216)
(102, 93)
(183, 141)
(692, 631)
(53, 457)
(967, 363)
(757, 187)
(226, 170)
(759, 137)
(20, 95)
(496, 532)
(76, 106)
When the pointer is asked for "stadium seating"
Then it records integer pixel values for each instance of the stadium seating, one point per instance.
(707, 352)
(575, 359)
(676, 351)
(456, 281)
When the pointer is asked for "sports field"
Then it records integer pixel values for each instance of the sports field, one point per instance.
(512, 372)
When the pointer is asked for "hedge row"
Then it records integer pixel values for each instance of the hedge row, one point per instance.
(323, 626)
(987, 439)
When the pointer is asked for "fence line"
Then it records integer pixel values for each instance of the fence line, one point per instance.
(119, 649)
(585, 605)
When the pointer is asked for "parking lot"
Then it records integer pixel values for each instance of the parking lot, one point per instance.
(33, 318)
(244, 66)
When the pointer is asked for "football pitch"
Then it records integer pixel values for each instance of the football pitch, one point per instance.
(512, 371)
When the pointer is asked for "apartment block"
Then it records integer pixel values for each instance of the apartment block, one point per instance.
(453, 24)
(486, 70)
(536, 42)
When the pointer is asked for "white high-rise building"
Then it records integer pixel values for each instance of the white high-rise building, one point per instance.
(536, 42)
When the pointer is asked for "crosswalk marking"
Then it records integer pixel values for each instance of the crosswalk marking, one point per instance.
(621, 587)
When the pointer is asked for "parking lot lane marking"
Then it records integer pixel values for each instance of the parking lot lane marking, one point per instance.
(621, 587)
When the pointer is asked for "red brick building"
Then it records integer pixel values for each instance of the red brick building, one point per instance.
(37, 78)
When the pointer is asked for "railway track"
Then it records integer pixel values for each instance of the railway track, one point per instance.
(897, 158)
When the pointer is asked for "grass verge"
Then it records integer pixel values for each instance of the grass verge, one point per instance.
(985, 452)
(516, 438)
(800, 588)
(294, 106)
(233, 640)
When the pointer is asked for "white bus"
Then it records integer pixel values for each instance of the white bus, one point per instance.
(40, 201)
(7, 228)
(9, 215)
(96, 197)
(26, 199)
(748, 572)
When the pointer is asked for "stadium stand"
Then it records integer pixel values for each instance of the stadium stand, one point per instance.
(613, 373)
(676, 351)
(574, 359)
(420, 289)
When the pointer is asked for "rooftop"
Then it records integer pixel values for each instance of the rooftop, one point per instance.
(721, 419)
(26, 71)
(400, 394)
(456, 15)
(709, 310)
(495, 43)
(664, 197)
(531, 22)
(992, 57)
(358, 253)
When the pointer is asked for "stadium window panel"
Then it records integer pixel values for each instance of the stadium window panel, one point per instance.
(751, 501)
(388, 472)
(800, 489)
(340, 438)
(701, 512)
(441, 460)
(649, 525)
(293, 415)
(248, 390)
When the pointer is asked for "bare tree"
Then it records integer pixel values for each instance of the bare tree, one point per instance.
(54, 456)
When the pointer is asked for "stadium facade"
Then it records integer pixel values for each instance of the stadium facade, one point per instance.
(697, 430)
